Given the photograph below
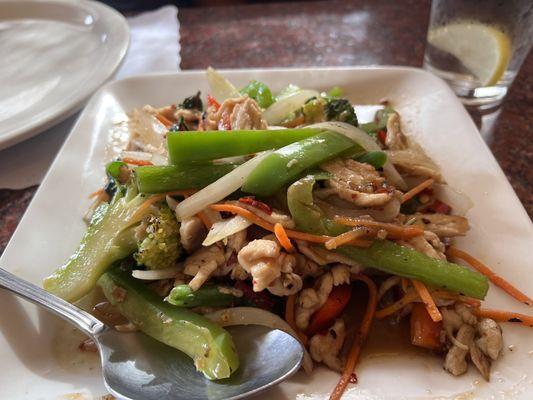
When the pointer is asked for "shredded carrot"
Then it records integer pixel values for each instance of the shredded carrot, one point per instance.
(133, 161)
(96, 193)
(405, 284)
(395, 231)
(290, 305)
(410, 297)
(282, 237)
(504, 316)
(164, 120)
(205, 219)
(343, 238)
(360, 338)
(428, 301)
(417, 189)
(445, 295)
(203, 216)
(289, 310)
(493, 276)
(158, 197)
(147, 203)
(308, 237)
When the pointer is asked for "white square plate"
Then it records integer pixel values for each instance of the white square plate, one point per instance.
(39, 353)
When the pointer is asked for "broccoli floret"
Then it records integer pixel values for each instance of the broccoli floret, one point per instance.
(161, 247)
(313, 110)
(319, 109)
(109, 238)
(340, 110)
(193, 102)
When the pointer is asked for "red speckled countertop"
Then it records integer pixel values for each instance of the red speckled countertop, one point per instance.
(328, 33)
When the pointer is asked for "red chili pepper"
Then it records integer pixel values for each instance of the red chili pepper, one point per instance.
(257, 299)
(382, 136)
(332, 308)
(353, 378)
(440, 207)
(212, 102)
(256, 203)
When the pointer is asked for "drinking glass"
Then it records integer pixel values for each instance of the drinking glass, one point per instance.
(478, 46)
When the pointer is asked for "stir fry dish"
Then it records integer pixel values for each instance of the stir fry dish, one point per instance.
(283, 209)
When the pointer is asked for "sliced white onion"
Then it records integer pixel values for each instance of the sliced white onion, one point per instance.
(172, 203)
(365, 141)
(458, 201)
(257, 316)
(155, 274)
(219, 189)
(231, 160)
(221, 88)
(159, 159)
(278, 111)
(415, 162)
(227, 227)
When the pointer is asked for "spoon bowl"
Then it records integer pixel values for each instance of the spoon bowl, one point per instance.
(160, 372)
(135, 366)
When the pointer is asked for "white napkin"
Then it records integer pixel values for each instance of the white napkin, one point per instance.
(154, 47)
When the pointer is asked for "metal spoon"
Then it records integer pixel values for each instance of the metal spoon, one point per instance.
(135, 366)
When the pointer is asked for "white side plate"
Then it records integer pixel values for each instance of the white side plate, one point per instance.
(42, 355)
(54, 55)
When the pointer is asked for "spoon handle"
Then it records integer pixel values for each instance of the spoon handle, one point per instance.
(83, 320)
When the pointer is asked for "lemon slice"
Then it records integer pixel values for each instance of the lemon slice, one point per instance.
(483, 49)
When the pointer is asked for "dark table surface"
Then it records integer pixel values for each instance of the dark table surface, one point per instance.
(328, 33)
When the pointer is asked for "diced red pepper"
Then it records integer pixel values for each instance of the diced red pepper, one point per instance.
(382, 136)
(424, 331)
(256, 203)
(440, 207)
(212, 102)
(333, 307)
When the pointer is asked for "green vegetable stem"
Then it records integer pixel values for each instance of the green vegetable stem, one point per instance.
(209, 345)
(206, 296)
(166, 178)
(194, 147)
(383, 254)
(285, 165)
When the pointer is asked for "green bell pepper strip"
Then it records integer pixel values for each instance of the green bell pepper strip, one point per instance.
(166, 178)
(307, 215)
(209, 345)
(193, 147)
(259, 92)
(206, 296)
(112, 169)
(375, 158)
(404, 261)
(285, 165)
(383, 255)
